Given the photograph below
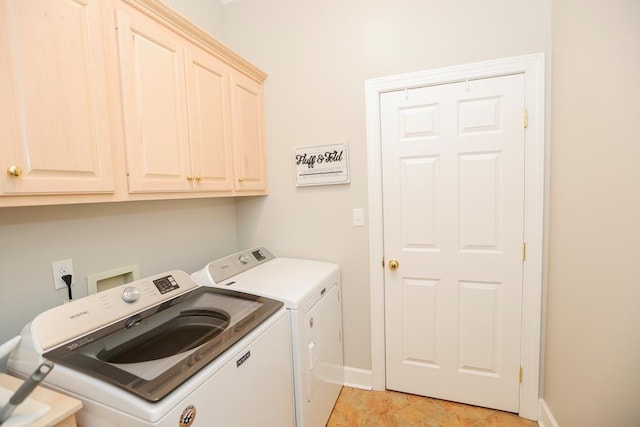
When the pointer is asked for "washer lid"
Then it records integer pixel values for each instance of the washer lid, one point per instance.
(153, 351)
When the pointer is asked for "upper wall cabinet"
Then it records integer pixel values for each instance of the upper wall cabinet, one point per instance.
(121, 100)
(248, 134)
(209, 121)
(54, 122)
(154, 110)
(181, 113)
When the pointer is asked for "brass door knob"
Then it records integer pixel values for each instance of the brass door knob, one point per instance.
(14, 171)
(198, 178)
(189, 178)
(241, 179)
(393, 264)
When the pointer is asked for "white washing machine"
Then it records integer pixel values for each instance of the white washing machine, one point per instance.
(163, 351)
(311, 291)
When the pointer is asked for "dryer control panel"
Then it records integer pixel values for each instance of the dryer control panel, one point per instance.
(232, 265)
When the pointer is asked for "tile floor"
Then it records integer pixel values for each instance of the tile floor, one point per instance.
(363, 408)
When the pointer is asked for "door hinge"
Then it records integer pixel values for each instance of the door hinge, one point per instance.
(521, 374)
(526, 118)
(524, 251)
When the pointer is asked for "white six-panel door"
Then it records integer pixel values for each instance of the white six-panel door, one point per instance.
(453, 190)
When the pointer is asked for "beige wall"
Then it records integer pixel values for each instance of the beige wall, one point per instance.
(207, 14)
(159, 236)
(592, 376)
(318, 56)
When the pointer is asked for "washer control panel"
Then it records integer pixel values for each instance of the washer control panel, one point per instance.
(166, 284)
(79, 317)
(130, 294)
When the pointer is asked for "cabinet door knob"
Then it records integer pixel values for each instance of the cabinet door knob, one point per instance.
(198, 178)
(241, 179)
(189, 178)
(14, 171)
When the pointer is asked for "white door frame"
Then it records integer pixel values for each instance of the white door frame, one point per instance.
(533, 68)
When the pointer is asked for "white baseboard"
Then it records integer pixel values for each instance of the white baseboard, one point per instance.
(545, 418)
(358, 378)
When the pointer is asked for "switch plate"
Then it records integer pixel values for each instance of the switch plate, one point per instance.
(358, 217)
(59, 269)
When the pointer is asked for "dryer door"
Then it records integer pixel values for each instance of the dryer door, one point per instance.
(323, 339)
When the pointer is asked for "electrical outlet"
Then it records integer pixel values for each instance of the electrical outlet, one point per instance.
(61, 268)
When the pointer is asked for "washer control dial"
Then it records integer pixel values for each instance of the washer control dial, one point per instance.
(130, 294)
(244, 259)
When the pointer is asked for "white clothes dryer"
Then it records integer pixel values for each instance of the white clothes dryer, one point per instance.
(311, 291)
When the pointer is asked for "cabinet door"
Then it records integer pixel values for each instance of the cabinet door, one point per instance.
(248, 134)
(54, 120)
(153, 104)
(209, 121)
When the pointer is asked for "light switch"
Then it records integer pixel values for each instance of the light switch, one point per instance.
(358, 217)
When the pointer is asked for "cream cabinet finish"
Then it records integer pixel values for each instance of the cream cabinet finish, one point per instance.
(181, 114)
(248, 134)
(153, 104)
(122, 100)
(209, 121)
(54, 122)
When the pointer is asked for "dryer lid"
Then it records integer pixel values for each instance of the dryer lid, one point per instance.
(292, 280)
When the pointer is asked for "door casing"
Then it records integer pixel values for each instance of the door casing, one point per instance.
(533, 68)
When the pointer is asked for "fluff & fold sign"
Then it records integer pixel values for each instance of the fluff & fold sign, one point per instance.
(322, 165)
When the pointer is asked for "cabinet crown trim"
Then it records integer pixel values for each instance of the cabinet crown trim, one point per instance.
(168, 17)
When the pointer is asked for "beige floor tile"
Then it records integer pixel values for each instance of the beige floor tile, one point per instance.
(363, 408)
